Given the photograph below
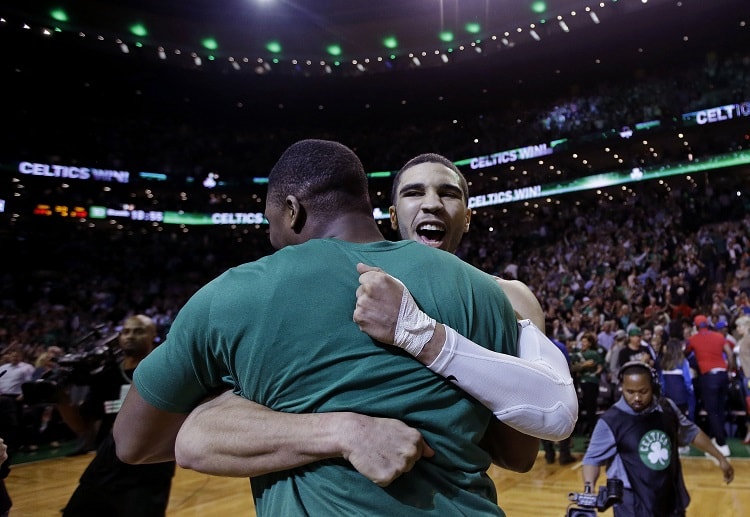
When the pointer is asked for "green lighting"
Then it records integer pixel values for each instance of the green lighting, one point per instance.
(139, 30)
(139, 44)
(273, 46)
(390, 42)
(210, 43)
(539, 7)
(446, 36)
(211, 58)
(380, 174)
(334, 50)
(473, 28)
(59, 15)
(275, 61)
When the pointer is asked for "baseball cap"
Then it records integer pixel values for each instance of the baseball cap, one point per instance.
(634, 331)
(720, 324)
(620, 334)
(700, 321)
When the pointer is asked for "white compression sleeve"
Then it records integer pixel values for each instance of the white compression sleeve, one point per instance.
(532, 393)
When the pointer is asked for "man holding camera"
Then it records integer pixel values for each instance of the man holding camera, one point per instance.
(637, 439)
(109, 486)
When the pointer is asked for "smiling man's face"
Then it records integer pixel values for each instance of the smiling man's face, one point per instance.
(430, 207)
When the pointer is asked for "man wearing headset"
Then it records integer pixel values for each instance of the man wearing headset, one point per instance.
(637, 439)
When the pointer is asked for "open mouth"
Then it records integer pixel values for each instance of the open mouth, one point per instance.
(431, 234)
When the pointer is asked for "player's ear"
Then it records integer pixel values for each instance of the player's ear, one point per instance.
(394, 217)
(467, 220)
(297, 215)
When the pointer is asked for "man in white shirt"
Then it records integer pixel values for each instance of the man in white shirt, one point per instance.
(13, 374)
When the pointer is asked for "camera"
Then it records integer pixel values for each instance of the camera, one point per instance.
(96, 355)
(589, 503)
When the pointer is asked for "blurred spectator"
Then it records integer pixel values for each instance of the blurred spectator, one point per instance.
(714, 357)
(589, 364)
(743, 366)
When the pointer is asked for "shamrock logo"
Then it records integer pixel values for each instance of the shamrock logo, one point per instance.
(658, 454)
(655, 449)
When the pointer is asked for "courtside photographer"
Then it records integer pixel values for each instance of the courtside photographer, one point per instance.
(638, 439)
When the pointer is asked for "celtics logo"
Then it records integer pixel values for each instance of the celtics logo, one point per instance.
(655, 449)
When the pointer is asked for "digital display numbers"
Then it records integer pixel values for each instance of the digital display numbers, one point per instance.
(147, 215)
(61, 211)
(127, 212)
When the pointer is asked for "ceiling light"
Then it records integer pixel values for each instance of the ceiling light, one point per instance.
(273, 47)
(390, 42)
(209, 43)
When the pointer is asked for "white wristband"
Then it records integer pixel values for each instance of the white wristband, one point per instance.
(414, 328)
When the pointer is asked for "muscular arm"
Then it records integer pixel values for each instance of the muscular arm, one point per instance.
(233, 436)
(143, 433)
(510, 449)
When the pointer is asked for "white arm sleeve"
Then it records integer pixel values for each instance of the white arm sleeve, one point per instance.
(532, 393)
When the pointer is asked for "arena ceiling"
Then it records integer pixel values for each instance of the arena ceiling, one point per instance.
(255, 85)
(352, 38)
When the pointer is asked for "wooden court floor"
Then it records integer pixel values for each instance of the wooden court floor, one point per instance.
(41, 489)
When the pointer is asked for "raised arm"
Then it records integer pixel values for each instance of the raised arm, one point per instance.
(232, 436)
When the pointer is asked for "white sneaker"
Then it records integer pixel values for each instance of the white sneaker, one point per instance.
(724, 449)
(684, 451)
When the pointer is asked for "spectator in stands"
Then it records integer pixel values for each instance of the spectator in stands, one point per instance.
(722, 327)
(14, 372)
(589, 364)
(714, 357)
(676, 381)
(635, 350)
(606, 337)
(743, 366)
(612, 360)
